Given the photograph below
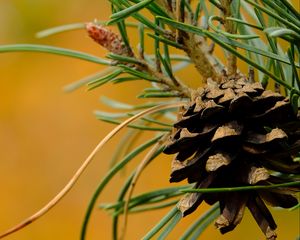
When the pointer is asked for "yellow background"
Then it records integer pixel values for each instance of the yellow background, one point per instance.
(45, 134)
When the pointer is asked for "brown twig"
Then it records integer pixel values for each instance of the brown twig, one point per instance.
(230, 28)
(200, 54)
(172, 84)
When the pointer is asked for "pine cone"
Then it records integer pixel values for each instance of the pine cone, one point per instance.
(234, 134)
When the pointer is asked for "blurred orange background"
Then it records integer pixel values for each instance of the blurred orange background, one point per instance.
(45, 134)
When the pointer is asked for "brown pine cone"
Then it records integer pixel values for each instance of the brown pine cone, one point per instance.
(234, 134)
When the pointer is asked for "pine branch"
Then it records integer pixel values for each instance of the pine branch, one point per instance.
(209, 118)
(229, 28)
(195, 46)
(124, 54)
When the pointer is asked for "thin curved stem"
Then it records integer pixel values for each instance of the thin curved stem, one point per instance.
(100, 187)
(81, 169)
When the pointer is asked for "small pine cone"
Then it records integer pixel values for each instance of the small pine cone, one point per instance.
(108, 39)
(234, 134)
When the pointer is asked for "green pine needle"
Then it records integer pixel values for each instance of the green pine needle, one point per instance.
(243, 188)
(53, 50)
(106, 179)
(118, 16)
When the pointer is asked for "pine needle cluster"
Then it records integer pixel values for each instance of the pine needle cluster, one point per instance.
(236, 136)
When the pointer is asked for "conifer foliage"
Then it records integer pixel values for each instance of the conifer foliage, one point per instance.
(235, 137)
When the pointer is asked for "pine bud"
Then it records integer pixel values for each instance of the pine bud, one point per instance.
(107, 39)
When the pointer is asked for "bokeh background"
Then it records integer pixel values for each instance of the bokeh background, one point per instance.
(45, 134)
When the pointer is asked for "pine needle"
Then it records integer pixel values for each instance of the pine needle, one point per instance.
(136, 176)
